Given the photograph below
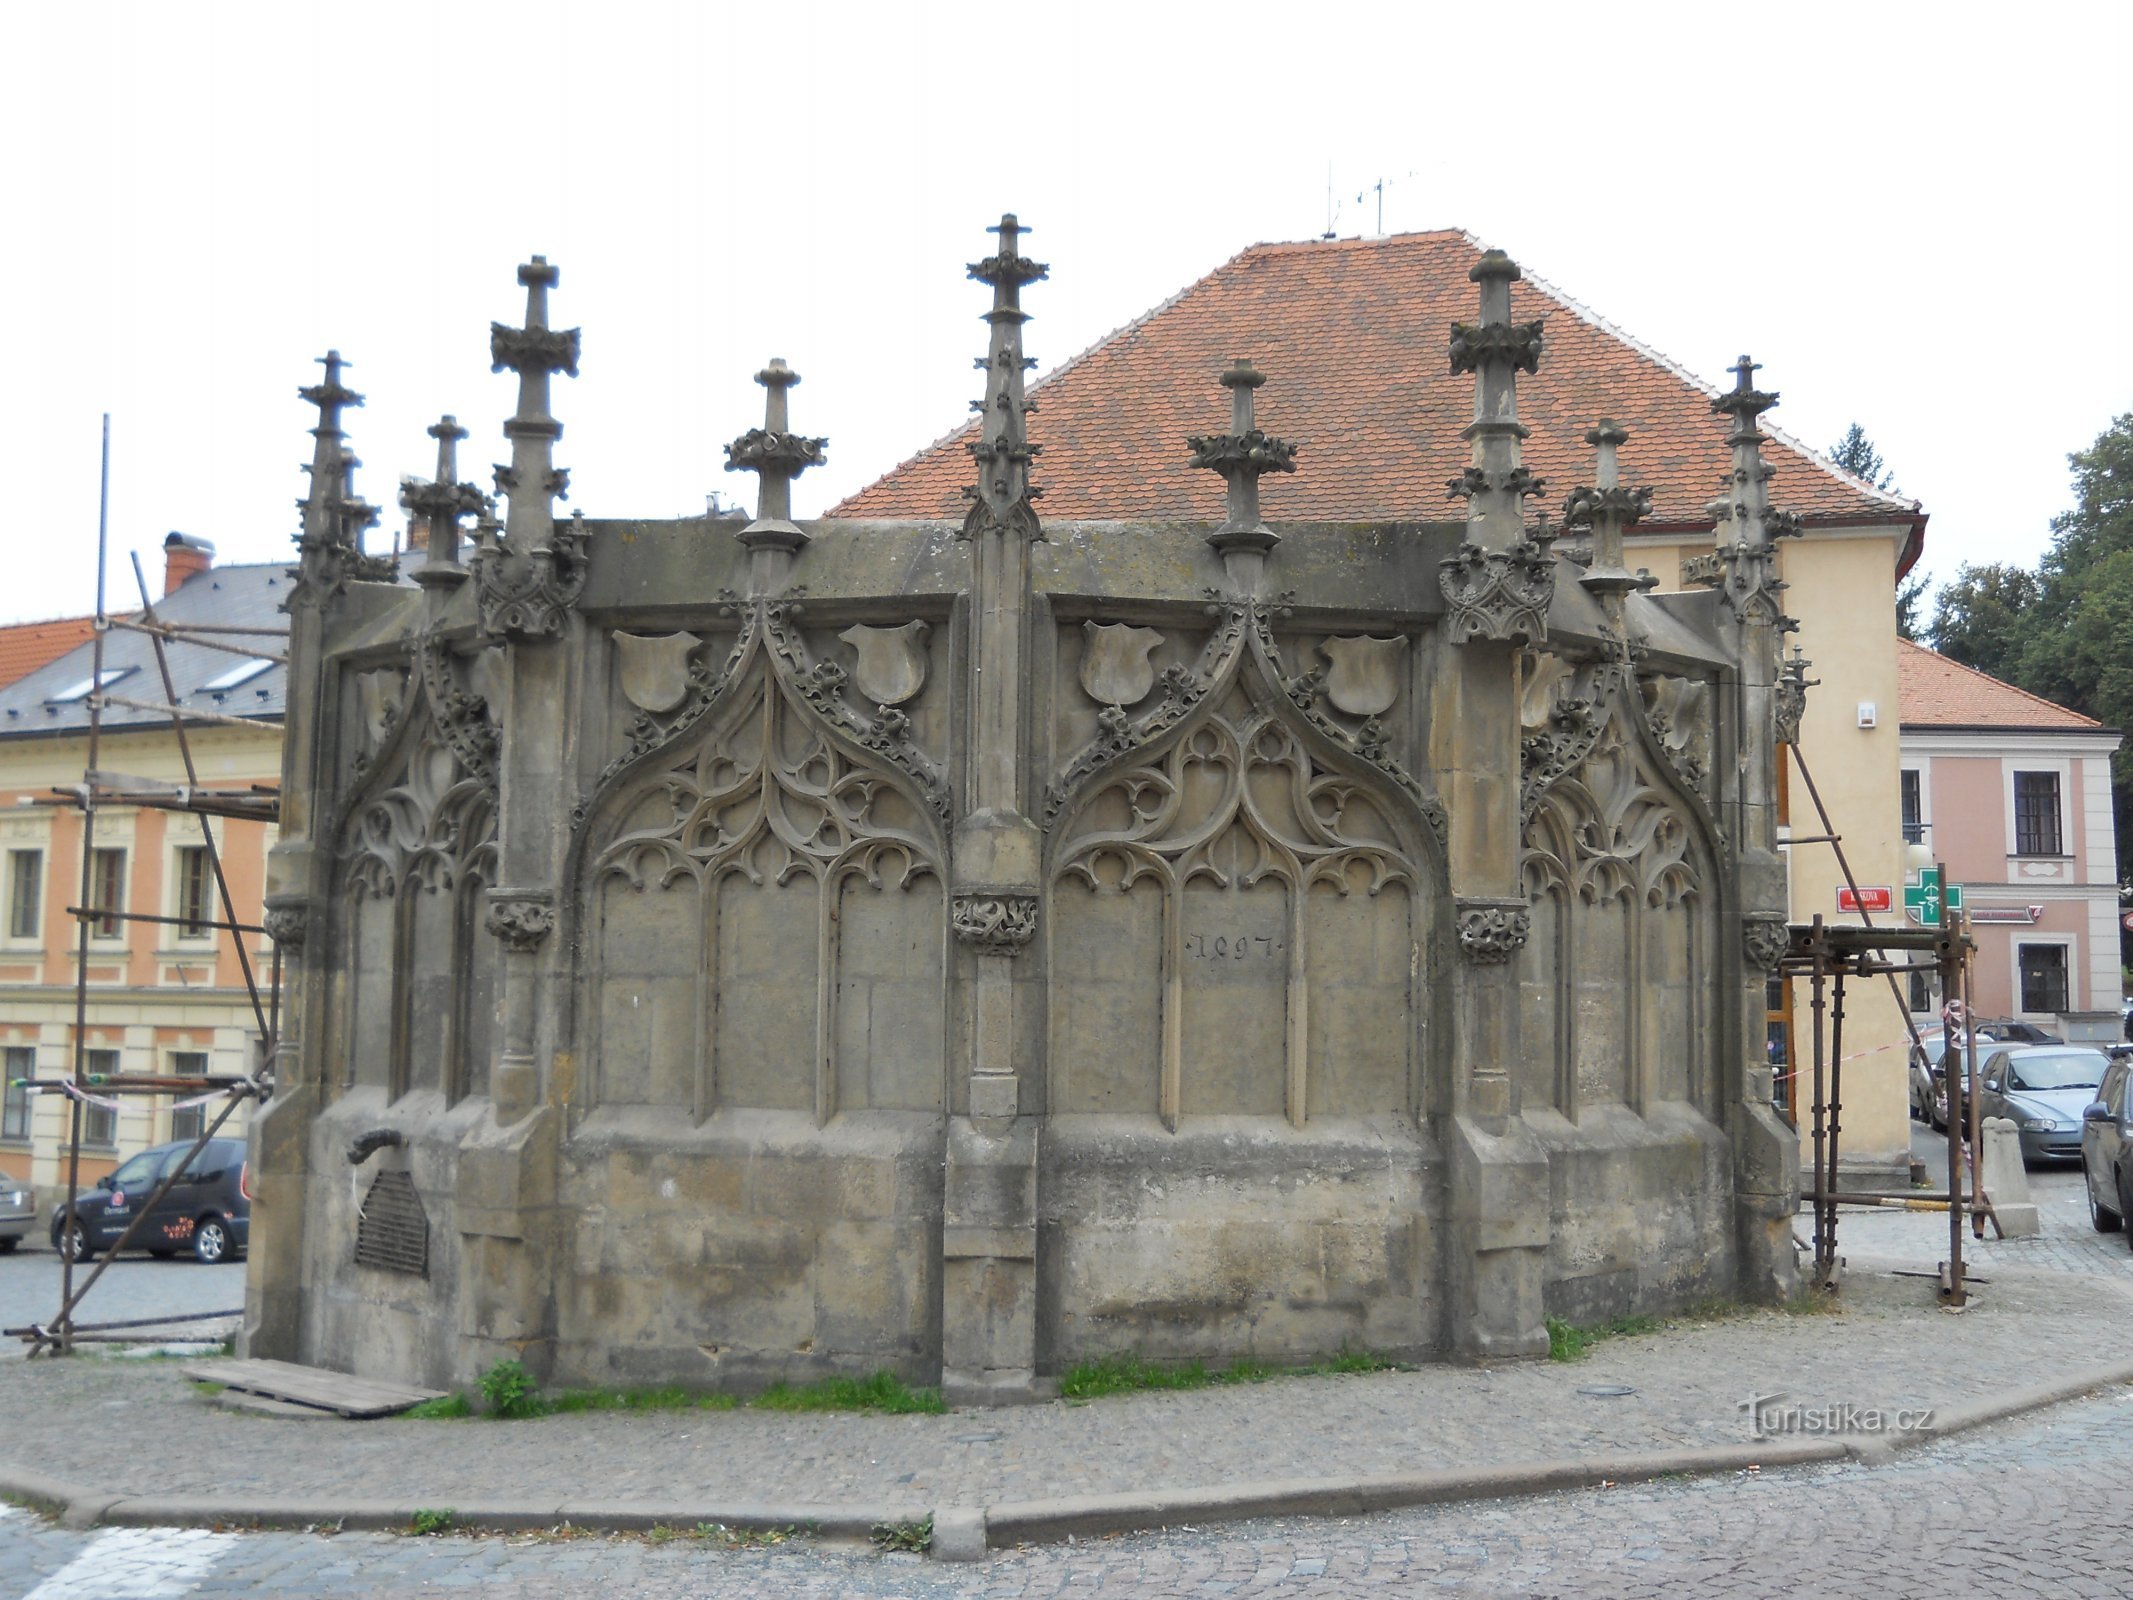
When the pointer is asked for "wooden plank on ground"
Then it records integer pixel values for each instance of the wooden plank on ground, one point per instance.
(339, 1392)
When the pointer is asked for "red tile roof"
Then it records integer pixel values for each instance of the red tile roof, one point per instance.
(26, 646)
(1935, 692)
(1352, 337)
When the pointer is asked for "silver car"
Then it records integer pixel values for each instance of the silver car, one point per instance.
(2043, 1089)
(18, 1209)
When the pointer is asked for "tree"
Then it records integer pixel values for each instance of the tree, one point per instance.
(1982, 618)
(2084, 658)
(1908, 594)
(1856, 454)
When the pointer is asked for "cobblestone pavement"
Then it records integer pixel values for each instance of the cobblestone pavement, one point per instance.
(2066, 1244)
(1686, 1384)
(135, 1286)
(2031, 1507)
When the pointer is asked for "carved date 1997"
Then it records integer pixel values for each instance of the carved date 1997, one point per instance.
(1232, 946)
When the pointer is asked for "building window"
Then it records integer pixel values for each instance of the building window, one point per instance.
(195, 888)
(1777, 1047)
(2043, 969)
(188, 1122)
(99, 1124)
(25, 892)
(2036, 798)
(107, 892)
(15, 1109)
(1921, 993)
(1914, 813)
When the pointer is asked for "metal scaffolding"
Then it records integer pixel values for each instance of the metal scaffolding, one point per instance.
(96, 790)
(1827, 955)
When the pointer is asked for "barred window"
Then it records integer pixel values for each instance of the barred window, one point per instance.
(1914, 815)
(2043, 969)
(2036, 797)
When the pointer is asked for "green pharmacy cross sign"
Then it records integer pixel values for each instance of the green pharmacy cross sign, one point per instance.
(1925, 901)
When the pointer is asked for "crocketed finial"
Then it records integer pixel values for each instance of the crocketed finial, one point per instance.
(776, 455)
(532, 480)
(1002, 450)
(1743, 567)
(1242, 456)
(1500, 581)
(1607, 509)
(440, 504)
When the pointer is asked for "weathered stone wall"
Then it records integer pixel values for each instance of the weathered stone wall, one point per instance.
(754, 951)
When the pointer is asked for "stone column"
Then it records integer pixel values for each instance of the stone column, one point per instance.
(1743, 568)
(989, 1222)
(526, 586)
(1497, 587)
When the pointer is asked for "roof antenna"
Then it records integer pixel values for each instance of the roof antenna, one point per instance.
(1331, 211)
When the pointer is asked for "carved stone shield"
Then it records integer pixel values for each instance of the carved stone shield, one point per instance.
(655, 670)
(892, 661)
(1363, 677)
(1115, 669)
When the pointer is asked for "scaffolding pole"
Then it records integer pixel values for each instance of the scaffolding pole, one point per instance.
(59, 1336)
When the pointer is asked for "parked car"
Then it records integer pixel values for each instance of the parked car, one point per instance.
(208, 1211)
(18, 1213)
(2045, 1091)
(1929, 1103)
(2107, 1149)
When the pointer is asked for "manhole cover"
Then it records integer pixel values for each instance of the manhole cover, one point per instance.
(1607, 1391)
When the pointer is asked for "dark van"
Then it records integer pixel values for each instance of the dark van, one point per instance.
(208, 1211)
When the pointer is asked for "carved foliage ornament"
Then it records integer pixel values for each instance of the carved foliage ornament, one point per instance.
(286, 925)
(1519, 343)
(1563, 709)
(994, 924)
(1492, 932)
(1764, 941)
(462, 717)
(521, 921)
(529, 596)
(1498, 594)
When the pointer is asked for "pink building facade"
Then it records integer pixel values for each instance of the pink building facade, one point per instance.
(2013, 794)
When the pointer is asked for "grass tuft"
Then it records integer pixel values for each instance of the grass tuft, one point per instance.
(428, 1523)
(916, 1537)
(884, 1392)
(570, 1401)
(444, 1408)
(1132, 1373)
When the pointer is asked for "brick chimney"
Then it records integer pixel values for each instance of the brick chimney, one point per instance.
(183, 555)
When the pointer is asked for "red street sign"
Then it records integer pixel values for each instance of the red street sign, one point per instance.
(1871, 897)
(2127, 919)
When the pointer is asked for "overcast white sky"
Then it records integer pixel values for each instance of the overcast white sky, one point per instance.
(1913, 215)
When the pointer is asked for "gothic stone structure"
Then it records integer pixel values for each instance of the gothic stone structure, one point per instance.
(727, 952)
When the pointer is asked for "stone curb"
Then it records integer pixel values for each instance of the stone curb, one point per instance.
(967, 1533)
